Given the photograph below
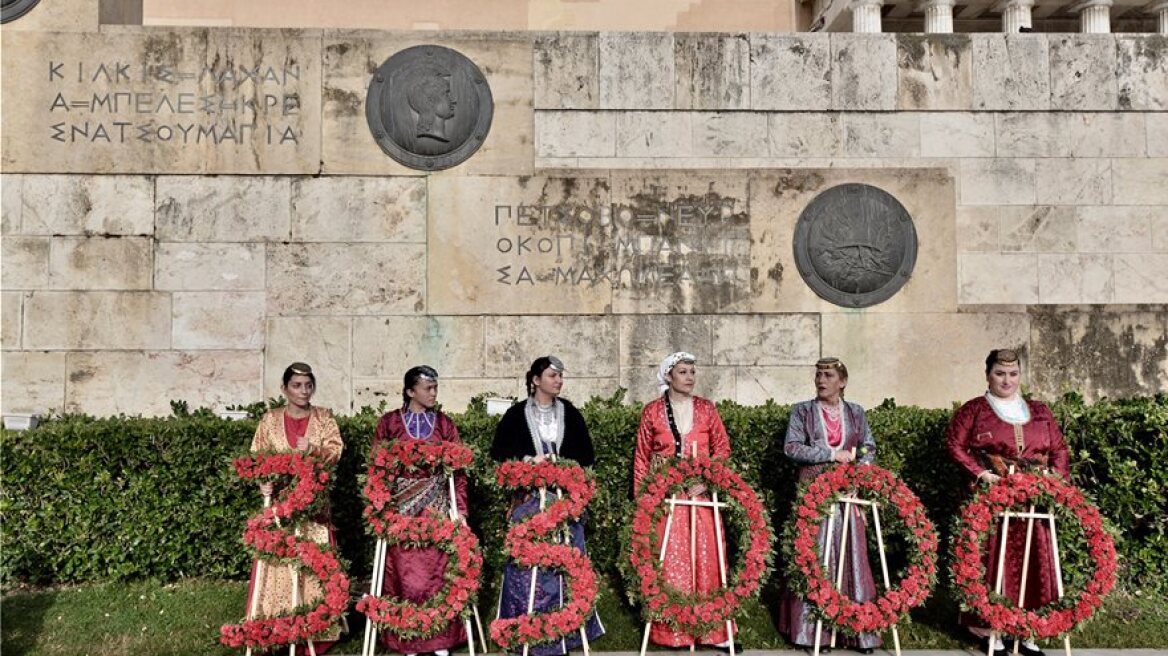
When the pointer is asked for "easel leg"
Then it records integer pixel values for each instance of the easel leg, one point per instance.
(1025, 571)
(1058, 575)
(375, 586)
(884, 569)
(693, 562)
(722, 564)
(1001, 572)
(842, 555)
(661, 557)
(826, 563)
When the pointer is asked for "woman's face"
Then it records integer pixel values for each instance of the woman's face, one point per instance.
(299, 390)
(550, 382)
(829, 384)
(1004, 379)
(682, 377)
(424, 393)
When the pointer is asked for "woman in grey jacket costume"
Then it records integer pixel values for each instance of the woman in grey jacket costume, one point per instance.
(822, 432)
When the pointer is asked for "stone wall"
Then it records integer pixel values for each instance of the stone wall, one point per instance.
(151, 264)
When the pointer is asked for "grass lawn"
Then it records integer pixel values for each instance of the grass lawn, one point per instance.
(184, 618)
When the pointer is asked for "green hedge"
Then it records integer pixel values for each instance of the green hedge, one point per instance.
(122, 498)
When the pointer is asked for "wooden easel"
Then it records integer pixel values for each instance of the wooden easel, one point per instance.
(293, 571)
(1030, 516)
(377, 583)
(693, 505)
(847, 501)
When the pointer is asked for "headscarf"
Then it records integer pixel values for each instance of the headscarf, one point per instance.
(668, 364)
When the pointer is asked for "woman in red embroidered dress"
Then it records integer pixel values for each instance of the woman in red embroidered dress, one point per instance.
(672, 426)
(988, 436)
(299, 426)
(416, 574)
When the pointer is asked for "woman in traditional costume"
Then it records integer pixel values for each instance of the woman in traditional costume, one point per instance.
(298, 426)
(989, 436)
(416, 574)
(822, 432)
(674, 426)
(534, 430)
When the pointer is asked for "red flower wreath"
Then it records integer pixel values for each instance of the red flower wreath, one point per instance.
(694, 614)
(296, 503)
(526, 542)
(805, 565)
(464, 563)
(969, 571)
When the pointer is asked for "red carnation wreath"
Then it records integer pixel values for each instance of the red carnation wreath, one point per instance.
(978, 518)
(694, 614)
(464, 563)
(527, 545)
(805, 564)
(296, 503)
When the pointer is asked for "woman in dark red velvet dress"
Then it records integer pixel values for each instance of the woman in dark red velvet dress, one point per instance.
(988, 436)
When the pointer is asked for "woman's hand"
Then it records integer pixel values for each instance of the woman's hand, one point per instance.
(988, 477)
(266, 489)
(843, 456)
(697, 489)
(302, 442)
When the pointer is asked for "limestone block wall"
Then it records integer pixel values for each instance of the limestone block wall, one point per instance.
(141, 269)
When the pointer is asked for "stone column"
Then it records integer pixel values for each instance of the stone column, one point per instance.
(939, 16)
(866, 16)
(1161, 10)
(1094, 16)
(1015, 15)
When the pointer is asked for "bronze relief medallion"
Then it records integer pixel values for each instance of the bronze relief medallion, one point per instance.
(10, 10)
(429, 107)
(855, 245)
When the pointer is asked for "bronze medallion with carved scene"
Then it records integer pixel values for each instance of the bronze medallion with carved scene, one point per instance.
(429, 107)
(10, 10)
(855, 245)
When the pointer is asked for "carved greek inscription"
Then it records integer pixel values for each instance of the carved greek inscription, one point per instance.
(120, 102)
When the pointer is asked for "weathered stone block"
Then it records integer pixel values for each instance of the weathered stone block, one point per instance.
(934, 71)
(350, 209)
(1040, 229)
(1011, 72)
(223, 209)
(218, 320)
(997, 182)
(1108, 134)
(349, 61)
(190, 266)
(654, 134)
(937, 374)
(1032, 134)
(24, 263)
(713, 71)
(34, 383)
(1118, 228)
(357, 279)
(1073, 181)
(1140, 278)
(517, 245)
(97, 383)
(759, 340)
(713, 382)
(384, 347)
(567, 68)
(1141, 68)
(182, 100)
(647, 339)
(978, 228)
(1082, 72)
(1140, 181)
(997, 278)
(881, 135)
(790, 72)
(636, 70)
(11, 206)
(575, 134)
(730, 134)
(325, 343)
(1157, 128)
(11, 317)
(757, 385)
(97, 320)
(587, 345)
(101, 263)
(804, 135)
(1068, 345)
(87, 205)
(863, 71)
(1075, 278)
(950, 134)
